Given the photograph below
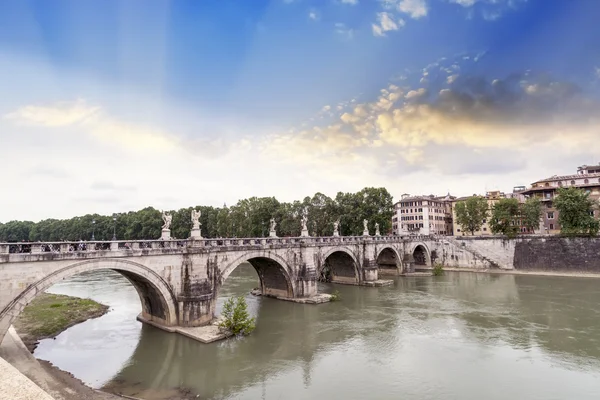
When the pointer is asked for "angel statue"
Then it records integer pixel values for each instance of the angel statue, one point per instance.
(167, 220)
(273, 225)
(365, 223)
(304, 221)
(377, 229)
(196, 219)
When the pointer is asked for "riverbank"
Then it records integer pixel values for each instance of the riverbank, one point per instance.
(567, 274)
(50, 314)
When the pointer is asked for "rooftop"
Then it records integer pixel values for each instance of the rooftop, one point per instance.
(568, 177)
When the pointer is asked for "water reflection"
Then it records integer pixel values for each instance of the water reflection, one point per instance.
(460, 336)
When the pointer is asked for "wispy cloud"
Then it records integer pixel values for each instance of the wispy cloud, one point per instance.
(351, 2)
(385, 23)
(415, 8)
(343, 30)
(313, 15)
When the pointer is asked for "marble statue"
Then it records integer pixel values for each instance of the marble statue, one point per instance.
(304, 222)
(365, 225)
(196, 219)
(167, 220)
(377, 229)
(336, 226)
(273, 225)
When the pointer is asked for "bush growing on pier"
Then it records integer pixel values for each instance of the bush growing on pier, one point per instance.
(335, 296)
(438, 269)
(236, 318)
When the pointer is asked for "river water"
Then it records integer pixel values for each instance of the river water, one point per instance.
(459, 336)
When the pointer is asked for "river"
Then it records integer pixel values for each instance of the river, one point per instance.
(459, 336)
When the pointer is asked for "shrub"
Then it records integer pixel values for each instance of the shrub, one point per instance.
(236, 318)
(438, 269)
(335, 296)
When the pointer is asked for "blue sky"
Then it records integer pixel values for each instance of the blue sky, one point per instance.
(204, 102)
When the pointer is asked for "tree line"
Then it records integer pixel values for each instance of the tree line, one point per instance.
(247, 218)
(506, 216)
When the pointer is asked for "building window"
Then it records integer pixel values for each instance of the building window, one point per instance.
(458, 230)
(546, 184)
(586, 181)
(550, 214)
(551, 226)
(560, 184)
(484, 229)
(572, 182)
(591, 213)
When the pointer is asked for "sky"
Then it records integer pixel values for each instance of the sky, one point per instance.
(110, 106)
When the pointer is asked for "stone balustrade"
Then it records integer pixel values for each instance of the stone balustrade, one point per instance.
(27, 248)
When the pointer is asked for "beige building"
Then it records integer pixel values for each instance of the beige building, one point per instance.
(492, 198)
(586, 178)
(424, 215)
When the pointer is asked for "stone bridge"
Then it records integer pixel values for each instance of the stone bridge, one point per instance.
(178, 281)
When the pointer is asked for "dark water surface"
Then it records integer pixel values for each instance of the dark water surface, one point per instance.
(460, 336)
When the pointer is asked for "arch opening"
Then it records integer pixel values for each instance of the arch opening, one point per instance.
(421, 256)
(273, 277)
(388, 262)
(339, 267)
(157, 301)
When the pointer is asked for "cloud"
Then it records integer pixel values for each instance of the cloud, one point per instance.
(386, 23)
(96, 123)
(464, 3)
(351, 2)
(415, 8)
(474, 125)
(312, 15)
(58, 115)
(597, 71)
(342, 29)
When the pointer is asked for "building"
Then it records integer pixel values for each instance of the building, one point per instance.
(492, 198)
(586, 178)
(423, 215)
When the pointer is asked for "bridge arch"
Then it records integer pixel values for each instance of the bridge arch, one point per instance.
(388, 260)
(342, 264)
(158, 301)
(273, 273)
(421, 254)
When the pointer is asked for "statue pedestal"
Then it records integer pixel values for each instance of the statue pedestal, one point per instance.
(196, 233)
(366, 233)
(272, 234)
(377, 233)
(304, 233)
(166, 234)
(336, 233)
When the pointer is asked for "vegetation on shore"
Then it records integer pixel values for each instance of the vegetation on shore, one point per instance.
(438, 269)
(336, 296)
(236, 318)
(247, 218)
(50, 314)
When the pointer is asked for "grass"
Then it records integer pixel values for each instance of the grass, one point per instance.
(438, 269)
(335, 296)
(50, 314)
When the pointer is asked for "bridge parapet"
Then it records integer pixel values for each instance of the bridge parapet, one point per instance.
(23, 251)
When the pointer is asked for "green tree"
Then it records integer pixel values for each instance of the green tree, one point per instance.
(236, 318)
(531, 212)
(470, 213)
(575, 212)
(505, 214)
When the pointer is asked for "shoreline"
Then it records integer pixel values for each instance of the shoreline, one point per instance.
(48, 315)
(565, 274)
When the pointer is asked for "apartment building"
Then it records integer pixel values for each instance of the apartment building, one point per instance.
(424, 215)
(586, 178)
(492, 198)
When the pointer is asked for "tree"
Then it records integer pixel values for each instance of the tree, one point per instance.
(236, 318)
(505, 214)
(575, 212)
(470, 213)
(531, 212)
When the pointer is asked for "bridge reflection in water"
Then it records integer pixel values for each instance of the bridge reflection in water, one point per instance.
(391, 342)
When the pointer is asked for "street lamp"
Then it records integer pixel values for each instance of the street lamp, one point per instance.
(114, 228)
(93, 229)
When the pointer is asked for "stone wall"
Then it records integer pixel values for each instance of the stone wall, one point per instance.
(558, 254)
